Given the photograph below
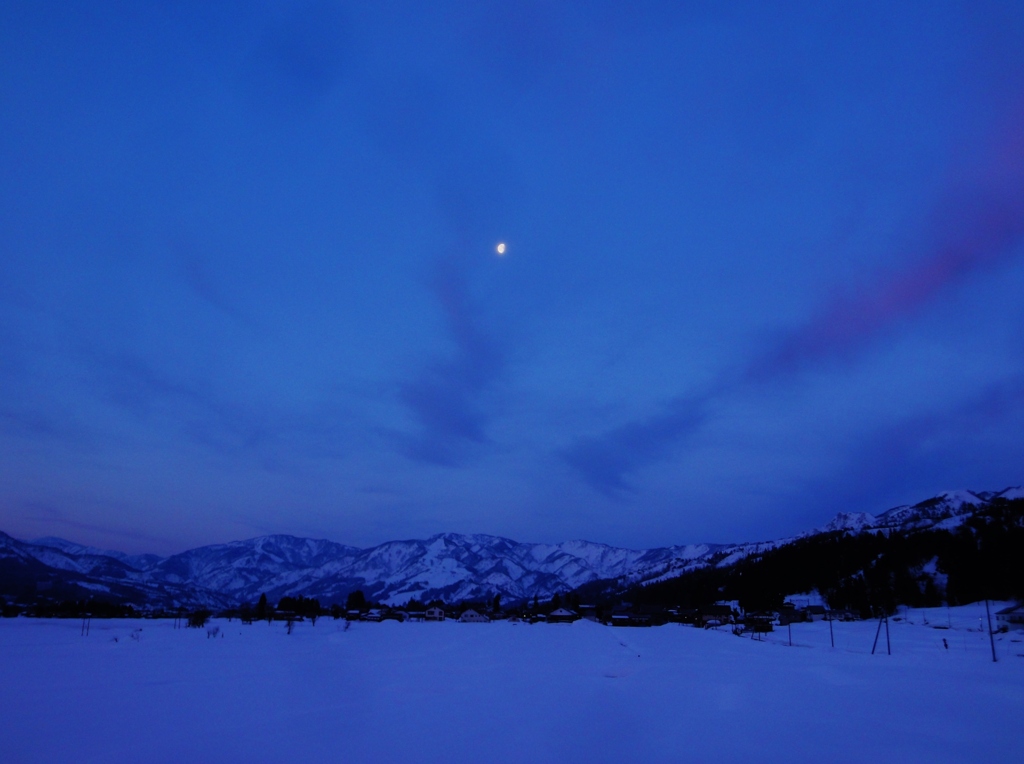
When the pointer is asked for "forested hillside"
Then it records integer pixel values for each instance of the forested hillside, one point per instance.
(868, 571)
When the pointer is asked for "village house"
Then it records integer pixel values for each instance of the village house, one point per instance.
(816, 612)
(689, 615)
(562, 615)
(716, 615)
(434, 614)
(471, 616)
(758, 623)
(621, 617)
(1011, 617)
(789, 614)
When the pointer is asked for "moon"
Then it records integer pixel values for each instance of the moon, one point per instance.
(500, 249)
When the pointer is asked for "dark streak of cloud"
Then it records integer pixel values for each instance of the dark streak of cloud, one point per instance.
(985, 236)
(197, 278)
(605, 461)
(45, 513)
(298, 60)
(27, 422)
(972, 233)
(445, 396)
(938, 449)
(206, 418)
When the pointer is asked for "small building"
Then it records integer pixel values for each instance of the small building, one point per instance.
(719, 614)
(1011, 617)
(688, 615)
(434, 614)
(788, 615)
(471, 616)
(373, 614)
(629, 617)
(562, 615)
(816, 612)
(758, 623)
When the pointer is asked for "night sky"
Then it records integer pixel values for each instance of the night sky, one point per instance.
(763, 264)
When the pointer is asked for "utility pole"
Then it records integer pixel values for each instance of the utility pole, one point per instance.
(991, 639)
(878, 633)
(831, 636)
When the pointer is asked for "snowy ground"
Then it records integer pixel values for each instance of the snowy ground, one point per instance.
(508, 692)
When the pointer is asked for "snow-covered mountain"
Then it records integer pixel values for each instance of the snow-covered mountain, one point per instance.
(947, 510)
(448, 566)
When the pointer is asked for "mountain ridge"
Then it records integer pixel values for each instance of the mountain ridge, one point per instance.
(450, 566)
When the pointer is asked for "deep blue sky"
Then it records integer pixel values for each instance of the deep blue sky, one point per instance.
(764, 264)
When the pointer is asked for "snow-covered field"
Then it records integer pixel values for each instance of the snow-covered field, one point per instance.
(508, 692)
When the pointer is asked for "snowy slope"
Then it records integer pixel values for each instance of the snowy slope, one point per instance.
(848, 521)
(947, 509)
(136, 561)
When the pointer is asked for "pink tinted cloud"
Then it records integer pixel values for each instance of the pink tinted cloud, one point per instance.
(974, 231)
(972, 235)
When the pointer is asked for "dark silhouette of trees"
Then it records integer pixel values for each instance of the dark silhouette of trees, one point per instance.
(868, 573)
(197, 618)
(302, 607)
(356, 600)
(262, 610)
(415, 606)
(93, 608)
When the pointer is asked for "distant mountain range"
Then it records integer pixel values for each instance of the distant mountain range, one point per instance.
(448, 566)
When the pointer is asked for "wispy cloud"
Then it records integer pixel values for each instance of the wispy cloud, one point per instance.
(26, 421)
(298, 60)
(198, 412)
(979, 234)
(51, 519)
(445, 396)
(197, 277)
(606, 461)
(940, 450)
(971, 233)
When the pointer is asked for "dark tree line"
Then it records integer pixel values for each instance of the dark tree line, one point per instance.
(93, 608)
(868, 573)
(306, 607)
